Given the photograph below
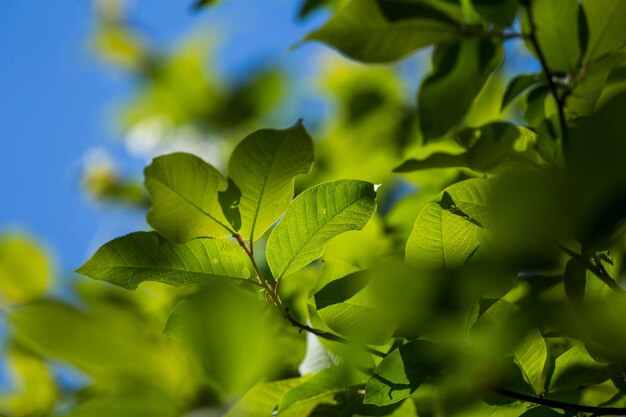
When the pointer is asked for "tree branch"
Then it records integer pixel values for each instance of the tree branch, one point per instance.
(597, 269)
(560, 103)
(597, 411)
(274, 297)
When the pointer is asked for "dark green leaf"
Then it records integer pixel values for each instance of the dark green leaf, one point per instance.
(361, 31)
(460, 70)
(145, 256)
(517, 86)
(605, 22)
(500, 12)
(488, 147)
(402, 372)
(556, 23)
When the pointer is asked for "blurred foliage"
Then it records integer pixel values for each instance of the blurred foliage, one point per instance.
(452, 252)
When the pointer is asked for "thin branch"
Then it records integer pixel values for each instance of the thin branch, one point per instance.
(597, 269)
(597, 411)
(560, 102)
(274, 298)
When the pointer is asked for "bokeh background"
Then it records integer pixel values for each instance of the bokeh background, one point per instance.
(90, 91)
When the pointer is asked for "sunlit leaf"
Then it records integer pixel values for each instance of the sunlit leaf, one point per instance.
(576, 368)
(361, 31)
(263, 165)
(145, 256)
(263, 398)
(448, 232)
(184, 192)
(313, 218)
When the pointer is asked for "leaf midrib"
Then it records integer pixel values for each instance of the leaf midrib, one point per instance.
(295, 255)
(194, 205)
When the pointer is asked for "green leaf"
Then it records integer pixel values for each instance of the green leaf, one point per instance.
(262, 399)
(325, 382)
(606, 28)
(576, 368)
(448, 232)
(25, 270)
(309, 6)
(184, 191)
(488, 147)
(500, 12)
(264, 166)
(402, 372)
(313, 218)
(582, 284)
(556, 23)
(361, 31)
(588, 85)
(517, 86)
(530, 353)
(109, 343)
(145, 256)
(136, 403)
(349, 306)
(460, 70)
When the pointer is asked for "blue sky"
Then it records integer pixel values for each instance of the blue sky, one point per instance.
(56, 100)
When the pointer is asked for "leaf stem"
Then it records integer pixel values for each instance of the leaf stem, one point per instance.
(596, 268)
(597, 411)
(274, 297)
(560, 102)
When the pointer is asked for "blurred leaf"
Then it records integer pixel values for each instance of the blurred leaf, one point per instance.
(556, 23)
(588, 84)
(517, 86)
(25, 270)
(184, 191)
(145, 256)
(607, 33)
(460, 70)
(136, 403)
(500, 12)
(488, 147)
(580, 283)
(361, 31)
(33, 391)
(349, 307)
(402, 371)
(264, 165)
(576, 368)
(199, 4)
(309, 6)
(325, 382)
(218, 325)
(263, 398)
(313, 218)
(528, 348)
(110, 344)
(447, 233)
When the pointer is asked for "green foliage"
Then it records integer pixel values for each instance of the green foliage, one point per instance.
(484, 277)
(132, 259)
